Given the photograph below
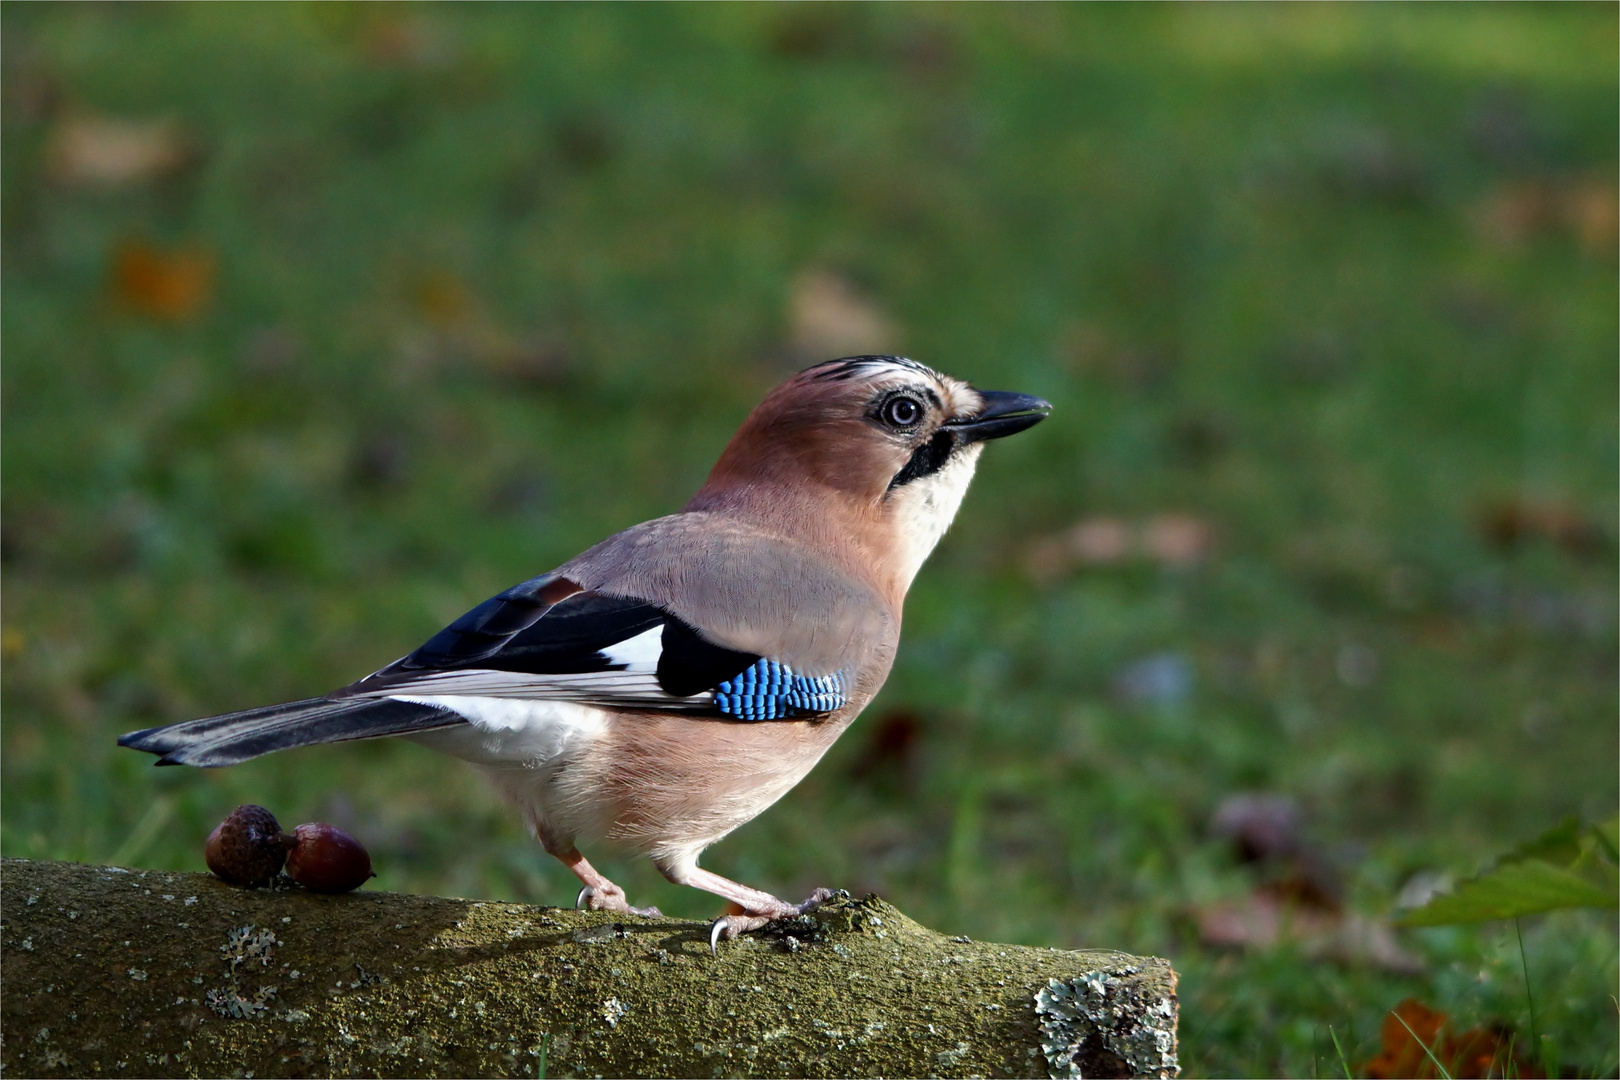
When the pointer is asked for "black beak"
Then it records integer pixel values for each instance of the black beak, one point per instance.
(1003, 414)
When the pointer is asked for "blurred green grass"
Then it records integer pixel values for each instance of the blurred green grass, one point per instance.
(493, 282)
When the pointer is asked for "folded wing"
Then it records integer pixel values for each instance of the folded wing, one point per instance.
(589, 647)
(544, 640)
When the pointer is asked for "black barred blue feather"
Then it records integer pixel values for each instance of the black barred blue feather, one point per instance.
(768, 690)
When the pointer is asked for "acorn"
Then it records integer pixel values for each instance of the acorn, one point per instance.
(248, 848)
(327, 859)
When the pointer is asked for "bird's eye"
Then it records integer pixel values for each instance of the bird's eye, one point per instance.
(901, 412)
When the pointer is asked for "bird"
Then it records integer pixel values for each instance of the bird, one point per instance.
(667, 685)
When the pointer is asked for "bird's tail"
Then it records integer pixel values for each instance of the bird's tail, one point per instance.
(239, 736)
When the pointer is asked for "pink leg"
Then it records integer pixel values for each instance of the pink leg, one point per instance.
(756, 908)
(599, 894)
(753, 902)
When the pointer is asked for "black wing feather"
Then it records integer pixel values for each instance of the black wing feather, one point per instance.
(485, 629)
(517, 632)
(691, 664)
(573, 634)
(237, 737)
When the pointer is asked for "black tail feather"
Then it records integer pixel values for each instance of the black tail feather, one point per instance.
(240, 736)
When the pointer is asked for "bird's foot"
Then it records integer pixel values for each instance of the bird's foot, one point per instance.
(609, 897)
(743, 921)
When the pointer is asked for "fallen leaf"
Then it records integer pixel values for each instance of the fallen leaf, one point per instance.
(1260, 826)
(1268, 918)
(1412, 1032)
(541, 360)
(91, 151)
(1300, 903)
(1486, 1052)
(1515, 213)
(1406, 1030)
(1100, 540)
(1175, 541)
(1516, 522)
(1583, 207)
(451, 326)
(814, 32)
(1593, 214)
(442, 300)
(829, 317)
(172, 285)
(1048, 559)
(1258, 921)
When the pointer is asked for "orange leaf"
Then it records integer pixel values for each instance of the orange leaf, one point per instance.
(1403, 1055)
(170, 286)
(1476, 1053)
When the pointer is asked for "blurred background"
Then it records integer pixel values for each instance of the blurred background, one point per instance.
(323, 323)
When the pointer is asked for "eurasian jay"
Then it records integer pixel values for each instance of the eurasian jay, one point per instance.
(670, 683)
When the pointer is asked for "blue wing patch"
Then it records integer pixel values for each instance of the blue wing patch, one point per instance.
(767, 690)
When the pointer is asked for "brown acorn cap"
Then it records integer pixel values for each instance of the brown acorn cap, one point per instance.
(248, 848)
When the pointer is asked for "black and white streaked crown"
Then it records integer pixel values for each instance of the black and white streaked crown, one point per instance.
(850, 367)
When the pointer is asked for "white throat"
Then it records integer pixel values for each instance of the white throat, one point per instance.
(925, 508)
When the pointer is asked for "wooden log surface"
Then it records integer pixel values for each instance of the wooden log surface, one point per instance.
(114, 972)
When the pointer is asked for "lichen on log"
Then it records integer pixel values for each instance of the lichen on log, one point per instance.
(145, 973)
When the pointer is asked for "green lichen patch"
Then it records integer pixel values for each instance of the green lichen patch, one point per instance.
(1107, 1023)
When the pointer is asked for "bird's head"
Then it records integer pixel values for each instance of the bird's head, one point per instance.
(882, 441)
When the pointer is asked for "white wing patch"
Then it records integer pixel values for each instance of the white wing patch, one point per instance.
(506, 733)
(639, 653)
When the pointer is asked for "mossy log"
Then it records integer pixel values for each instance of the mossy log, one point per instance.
(144, 973)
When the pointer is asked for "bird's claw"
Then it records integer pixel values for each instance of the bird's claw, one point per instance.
(729, 926)
(601, 900)
(819, 897)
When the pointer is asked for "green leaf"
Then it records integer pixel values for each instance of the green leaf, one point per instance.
(1524, 887)
(1559, 845)
(1608, 835)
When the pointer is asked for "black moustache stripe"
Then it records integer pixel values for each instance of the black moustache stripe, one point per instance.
(926, 460)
